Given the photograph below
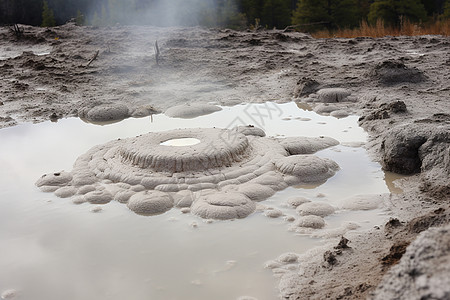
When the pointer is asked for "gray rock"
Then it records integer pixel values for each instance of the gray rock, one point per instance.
(423, 271)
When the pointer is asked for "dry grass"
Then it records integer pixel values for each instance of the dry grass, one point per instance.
(379, 30)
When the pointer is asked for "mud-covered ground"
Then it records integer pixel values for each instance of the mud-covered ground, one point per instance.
(400, 86)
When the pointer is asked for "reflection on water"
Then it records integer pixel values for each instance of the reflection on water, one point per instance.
(181, 142)
(304, 106)
(53, 249)
(390, 179)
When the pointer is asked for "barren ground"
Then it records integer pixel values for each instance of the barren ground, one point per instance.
(44, 74)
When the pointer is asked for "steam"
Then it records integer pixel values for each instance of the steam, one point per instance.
(162, 12)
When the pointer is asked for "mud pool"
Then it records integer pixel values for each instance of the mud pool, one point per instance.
(54, 249)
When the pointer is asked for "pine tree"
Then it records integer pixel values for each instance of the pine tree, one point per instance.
(276, 13)
(95, 20)
(327, 13)
(392, 11)
(79, 19)
(48, 18)
(446, 14)
(345, 14)
(311, 11)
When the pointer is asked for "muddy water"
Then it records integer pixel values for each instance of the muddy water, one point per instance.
(53, 249)
(17, 50)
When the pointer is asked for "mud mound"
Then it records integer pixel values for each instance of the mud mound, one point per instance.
(193, 110)
(223, 206)
(150, 203)
(309, 221)
(212, 152)
(306, 145)
(105, 113)
(391, 72)
(332, 95)
(320, 209)
(219, 177)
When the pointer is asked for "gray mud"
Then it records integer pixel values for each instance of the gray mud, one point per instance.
(398, 85)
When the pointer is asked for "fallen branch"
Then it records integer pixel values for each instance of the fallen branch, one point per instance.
(17, 30)
(93, 58)
(305, 24)
(157, 53)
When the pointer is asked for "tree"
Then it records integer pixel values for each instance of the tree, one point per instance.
(310, 12)
(391, 11)
(79, 19)
(327, 13)
(48, 18)
(345, 14)
(446, 14)
(276, 13)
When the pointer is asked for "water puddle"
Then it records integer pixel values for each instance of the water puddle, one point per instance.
(181, 142)
(12, 52)
(54, 249)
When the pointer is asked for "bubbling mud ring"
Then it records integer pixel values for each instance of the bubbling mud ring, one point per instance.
(221, 177)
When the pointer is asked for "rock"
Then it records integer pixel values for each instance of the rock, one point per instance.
(400, 149)
(391, 72)
(384, 111)
(422, 272)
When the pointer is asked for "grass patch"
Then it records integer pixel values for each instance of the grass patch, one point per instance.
(379, 29)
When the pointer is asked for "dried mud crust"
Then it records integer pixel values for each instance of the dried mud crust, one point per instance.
(397, 83)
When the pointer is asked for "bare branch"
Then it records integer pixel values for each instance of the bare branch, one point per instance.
(93, 58)
(157, 53)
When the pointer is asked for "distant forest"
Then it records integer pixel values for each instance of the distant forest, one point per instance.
(304, 14)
